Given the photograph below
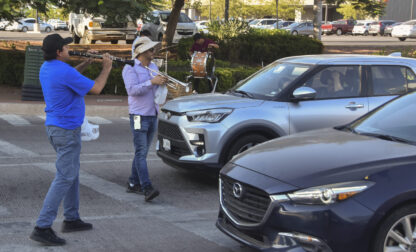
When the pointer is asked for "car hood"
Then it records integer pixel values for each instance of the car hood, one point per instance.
(324, 156)
(209, 101)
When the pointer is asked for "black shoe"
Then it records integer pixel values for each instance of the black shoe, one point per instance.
(76, 225)
(46, 236)
(150, 193)
(134, 189)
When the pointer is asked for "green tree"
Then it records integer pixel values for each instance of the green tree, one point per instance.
(13, 9)
(349, 12)
(371, 8)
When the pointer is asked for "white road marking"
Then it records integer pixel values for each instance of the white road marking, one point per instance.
(190, 221)
(125, 118)
(14, 150)
(98, 120)
(15, 120)
(43, 117)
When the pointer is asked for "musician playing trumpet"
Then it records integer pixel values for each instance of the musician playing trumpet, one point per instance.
(141, 86)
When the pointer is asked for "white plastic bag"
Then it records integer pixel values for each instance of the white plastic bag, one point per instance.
(160, 94)
(89, 131)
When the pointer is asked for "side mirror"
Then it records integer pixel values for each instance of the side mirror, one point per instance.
(304, 93)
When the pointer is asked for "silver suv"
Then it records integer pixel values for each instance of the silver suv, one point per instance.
(288, 96)
(157, 22)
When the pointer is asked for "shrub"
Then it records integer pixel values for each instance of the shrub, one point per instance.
(226, 30)
(258, 46)
(12, 63)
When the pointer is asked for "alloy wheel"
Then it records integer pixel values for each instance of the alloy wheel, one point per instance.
(402, 235)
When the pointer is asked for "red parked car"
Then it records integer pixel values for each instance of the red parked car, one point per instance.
(338, 27)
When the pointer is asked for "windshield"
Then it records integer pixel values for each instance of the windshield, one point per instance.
(292, 25)
(393, 120)
(271, 80)
(182, 17)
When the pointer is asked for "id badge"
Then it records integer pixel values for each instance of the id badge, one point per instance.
(137, 124)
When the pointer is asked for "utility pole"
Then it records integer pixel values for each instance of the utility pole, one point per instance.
(411, 9)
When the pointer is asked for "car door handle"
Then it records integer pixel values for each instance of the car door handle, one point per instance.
(354, 106)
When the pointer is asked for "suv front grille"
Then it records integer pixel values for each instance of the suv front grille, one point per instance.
(185, 32)
(171, 132)
(250, 208)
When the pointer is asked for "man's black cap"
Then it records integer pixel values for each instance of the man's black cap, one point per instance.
(54, 42)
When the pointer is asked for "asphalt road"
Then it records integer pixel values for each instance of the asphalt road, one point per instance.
(328, 40)
(182, 218)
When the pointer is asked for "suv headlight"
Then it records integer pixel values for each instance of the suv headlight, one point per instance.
(328, 194)
(210, 116)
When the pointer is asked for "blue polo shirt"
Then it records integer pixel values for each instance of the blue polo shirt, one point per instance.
(64, 89)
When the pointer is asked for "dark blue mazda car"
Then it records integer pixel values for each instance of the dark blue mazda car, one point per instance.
(349, 188)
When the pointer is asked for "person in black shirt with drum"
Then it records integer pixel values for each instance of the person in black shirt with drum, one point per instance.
(202, 59)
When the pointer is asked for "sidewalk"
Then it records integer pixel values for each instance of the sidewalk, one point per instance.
(95, 105)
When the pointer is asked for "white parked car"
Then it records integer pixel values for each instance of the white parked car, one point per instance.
(262, 23)
(157, 22)
(202, 26)
(58, 24)
(404, 30)
(361, 28)
(27, 24)
(3, 24)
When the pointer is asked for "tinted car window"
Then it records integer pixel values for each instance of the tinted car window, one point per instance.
(337, 81)
(391, 120)
(272, 79)
(389, 80)
(182, 18)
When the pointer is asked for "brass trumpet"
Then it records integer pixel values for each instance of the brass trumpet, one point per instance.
(172, 81)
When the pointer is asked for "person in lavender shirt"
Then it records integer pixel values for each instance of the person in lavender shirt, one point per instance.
(141, 85)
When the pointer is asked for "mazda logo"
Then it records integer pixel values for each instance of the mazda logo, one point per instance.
(237, 190)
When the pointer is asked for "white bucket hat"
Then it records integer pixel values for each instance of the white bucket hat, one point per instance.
(143, 44)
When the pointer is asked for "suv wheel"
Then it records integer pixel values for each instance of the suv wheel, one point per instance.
(75, 38)
(24, 29)
(396, 231)
(339, 32)
(244, 143)
(48, 29)
(294, 33)
(402, 39)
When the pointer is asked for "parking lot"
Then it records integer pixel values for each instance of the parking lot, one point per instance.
(328, 40)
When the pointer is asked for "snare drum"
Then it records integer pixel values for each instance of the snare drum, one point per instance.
(202, 64)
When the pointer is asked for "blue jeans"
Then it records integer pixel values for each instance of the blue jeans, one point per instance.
(142, 139)
(65, 186)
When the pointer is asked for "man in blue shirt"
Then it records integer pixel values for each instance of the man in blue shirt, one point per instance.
(64, 88)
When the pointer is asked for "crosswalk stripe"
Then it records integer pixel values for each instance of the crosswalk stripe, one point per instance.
(98, 120)
(43, 117)
(125, 118)
(15, 120)
(14, 150)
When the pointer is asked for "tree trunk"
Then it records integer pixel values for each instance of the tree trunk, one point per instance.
(317, 20)
(277, 14)
(227, 7)
(172, 22)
